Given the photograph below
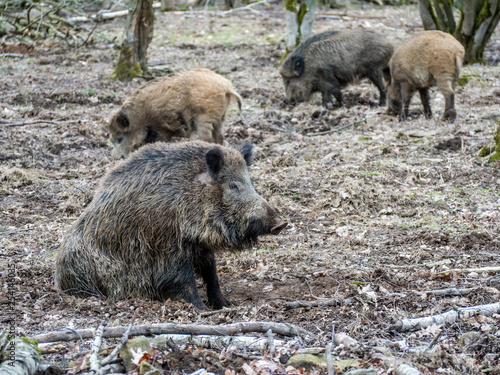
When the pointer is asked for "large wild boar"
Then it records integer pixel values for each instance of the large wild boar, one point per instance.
(193, 102)
(431, 58)
(328, 61)
(158, 218)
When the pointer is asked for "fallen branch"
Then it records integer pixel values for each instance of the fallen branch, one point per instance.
(247, 7)
(404, 369)
(449, 316)
(318, 303)
(460, 292)
(336, 129)
(29, 123)
(11, 55)
(101, 366)
(189, 329)
(495, 269)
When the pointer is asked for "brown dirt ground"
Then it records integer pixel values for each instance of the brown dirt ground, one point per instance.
(376, 211)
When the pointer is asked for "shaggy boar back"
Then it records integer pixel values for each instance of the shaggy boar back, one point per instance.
(158, 218)
(328, 61)
(182, 105)
(431, 58)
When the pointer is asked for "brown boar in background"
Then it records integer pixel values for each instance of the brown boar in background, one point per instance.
(330, 60)
(431, 58)
(158, 218)
(194, 102)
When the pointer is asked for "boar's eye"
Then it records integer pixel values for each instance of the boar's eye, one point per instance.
(234, 187)
(119, 140)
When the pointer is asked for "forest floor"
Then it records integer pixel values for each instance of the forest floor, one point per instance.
(377, 210)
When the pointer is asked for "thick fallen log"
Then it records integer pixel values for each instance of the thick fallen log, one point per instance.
(20, 356)
(449, 316)
(189, 329)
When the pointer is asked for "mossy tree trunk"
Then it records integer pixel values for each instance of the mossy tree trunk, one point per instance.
(476, 23)
(299, 18)
(138, 34)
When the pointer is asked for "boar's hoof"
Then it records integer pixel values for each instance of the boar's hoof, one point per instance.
(277, 229)
(450, 115)
(218, 303)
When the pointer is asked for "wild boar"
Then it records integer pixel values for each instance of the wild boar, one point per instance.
(330, 60)
(431, 58)
(158, 218)
(182, 105)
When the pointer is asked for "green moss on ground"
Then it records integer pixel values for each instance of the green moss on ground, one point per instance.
(493, 150)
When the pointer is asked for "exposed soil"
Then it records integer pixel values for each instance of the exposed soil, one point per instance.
(376, 211)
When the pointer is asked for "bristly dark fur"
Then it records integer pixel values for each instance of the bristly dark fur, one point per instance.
(157, 220)
(330, 60)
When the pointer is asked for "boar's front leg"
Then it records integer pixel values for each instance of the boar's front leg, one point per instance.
(406, 95)
(180, 282)
(206, 267)
(424, 97)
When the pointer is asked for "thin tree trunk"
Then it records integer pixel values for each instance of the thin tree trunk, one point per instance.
(138, 34)
(299, 20)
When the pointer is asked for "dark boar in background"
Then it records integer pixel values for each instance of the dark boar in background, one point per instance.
(431, 58)
(193, 102)
(328, 61)
(158, 218)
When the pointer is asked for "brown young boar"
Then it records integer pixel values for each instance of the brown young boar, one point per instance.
(330, 60)
(158, 218)
(431, 58)
(194, 102)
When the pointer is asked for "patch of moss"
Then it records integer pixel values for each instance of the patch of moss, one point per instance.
(125, 69)
(364, 138)
(465, 78)
(486, 150)
(493, 149)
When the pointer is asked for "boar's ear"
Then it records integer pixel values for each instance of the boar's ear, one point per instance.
(122, 120)
(247, 151)
(387, 74)
(215, 161)
(298, 65)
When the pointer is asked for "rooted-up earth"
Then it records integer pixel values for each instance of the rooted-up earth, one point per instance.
(378, 210)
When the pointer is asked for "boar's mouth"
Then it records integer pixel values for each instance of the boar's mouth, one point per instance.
(258, 228)
(277, 229)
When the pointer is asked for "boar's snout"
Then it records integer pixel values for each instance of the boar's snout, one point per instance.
(268, 222)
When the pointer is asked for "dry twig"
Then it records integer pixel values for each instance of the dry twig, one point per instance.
(449, 316)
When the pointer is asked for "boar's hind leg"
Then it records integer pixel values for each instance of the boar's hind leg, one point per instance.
(424, 97)
(376, 77)
(445, 86)
(205, 266)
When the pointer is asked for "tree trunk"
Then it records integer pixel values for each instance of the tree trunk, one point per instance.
(299, 19)
(138, 34)
(478, 19)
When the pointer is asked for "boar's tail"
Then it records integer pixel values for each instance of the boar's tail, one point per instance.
(236, 96)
